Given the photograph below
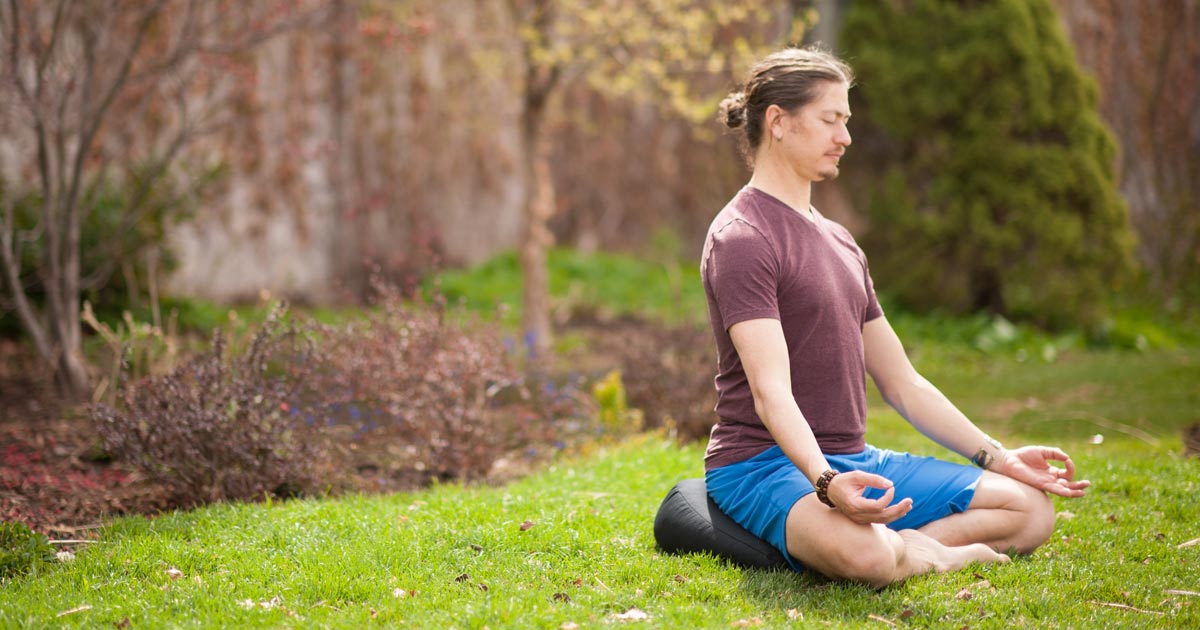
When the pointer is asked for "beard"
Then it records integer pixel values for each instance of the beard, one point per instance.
(827, 173)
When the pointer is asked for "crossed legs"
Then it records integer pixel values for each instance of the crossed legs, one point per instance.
(1003, 515)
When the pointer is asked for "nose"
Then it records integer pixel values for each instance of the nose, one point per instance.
(843, 135)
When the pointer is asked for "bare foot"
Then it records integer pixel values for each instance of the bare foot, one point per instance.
(924, 554)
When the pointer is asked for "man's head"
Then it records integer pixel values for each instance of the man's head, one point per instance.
(787, 99)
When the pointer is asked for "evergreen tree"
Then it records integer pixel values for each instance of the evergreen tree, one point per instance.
(995, 187)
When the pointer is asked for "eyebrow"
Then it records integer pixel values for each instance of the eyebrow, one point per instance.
(839, 114)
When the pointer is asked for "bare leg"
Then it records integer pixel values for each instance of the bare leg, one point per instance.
(833, 545)
(1005, 515)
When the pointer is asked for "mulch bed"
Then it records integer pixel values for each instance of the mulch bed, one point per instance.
(50, 478)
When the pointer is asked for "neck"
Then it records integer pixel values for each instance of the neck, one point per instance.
(782, 183)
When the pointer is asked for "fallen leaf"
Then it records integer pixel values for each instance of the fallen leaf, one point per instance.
(577, 582)
(1064, 515)
(174, 573)
(124, 623)
(462, 578)
(526, 525)
(73, 611)
(374, 613)
(978, 576)
(399, 593)
(906, 614)
(964, 595)
(633, 614)
(562, 597)
(792, 613)
(64, 556)
(680, 578)
(1111, 518)
(984, 584)
(1159, 536)
(477, 548)
(569, 625)
(483, 587)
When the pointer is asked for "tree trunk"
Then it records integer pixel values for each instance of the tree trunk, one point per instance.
(539, 208)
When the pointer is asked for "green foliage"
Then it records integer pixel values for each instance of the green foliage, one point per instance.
(613, 407)
(998, 191)
(600, 284)
(21, 549)
(662, 52)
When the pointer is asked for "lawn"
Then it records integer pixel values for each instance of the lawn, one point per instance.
(571, 545)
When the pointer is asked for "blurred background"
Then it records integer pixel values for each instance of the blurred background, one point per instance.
(1021, 170)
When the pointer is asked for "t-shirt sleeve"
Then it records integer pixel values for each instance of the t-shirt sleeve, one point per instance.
(742, 272)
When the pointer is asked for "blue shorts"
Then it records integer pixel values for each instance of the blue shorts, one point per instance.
(758, 493)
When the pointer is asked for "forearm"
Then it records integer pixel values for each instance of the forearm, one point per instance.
(790, 429)
(931, 413)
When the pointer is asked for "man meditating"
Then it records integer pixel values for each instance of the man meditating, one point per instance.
(798, 328)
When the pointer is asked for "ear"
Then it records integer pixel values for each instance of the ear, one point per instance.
(775, 119)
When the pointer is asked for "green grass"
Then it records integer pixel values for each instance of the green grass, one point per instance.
(590, 554)
(606, 284)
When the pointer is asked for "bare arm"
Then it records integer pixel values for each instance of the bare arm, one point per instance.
(931, 413)
(762, 349)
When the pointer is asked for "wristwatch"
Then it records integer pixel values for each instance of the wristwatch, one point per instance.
(986, 456)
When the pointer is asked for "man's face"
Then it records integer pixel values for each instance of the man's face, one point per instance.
(816, 137)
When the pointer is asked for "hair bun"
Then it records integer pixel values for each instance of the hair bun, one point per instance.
(733, 110)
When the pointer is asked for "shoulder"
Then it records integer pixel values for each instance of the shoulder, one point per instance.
(740, 220)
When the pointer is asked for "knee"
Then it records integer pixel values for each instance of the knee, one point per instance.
(872, 562)
(1038, 519)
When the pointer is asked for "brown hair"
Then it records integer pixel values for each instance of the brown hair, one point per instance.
(790, 78)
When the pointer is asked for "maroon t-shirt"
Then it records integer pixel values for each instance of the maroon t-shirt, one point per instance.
(764, 260)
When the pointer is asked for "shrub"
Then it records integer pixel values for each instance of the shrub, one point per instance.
(217, 426)
(613, 408)
(20, 549)
(666, 370)
(421, 388)
(997, 189)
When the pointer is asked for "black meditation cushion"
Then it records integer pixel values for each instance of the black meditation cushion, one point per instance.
(688, 521)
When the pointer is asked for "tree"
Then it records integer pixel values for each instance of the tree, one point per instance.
(1146, 58)
(997, 189)
(678, 53)
(81, 79)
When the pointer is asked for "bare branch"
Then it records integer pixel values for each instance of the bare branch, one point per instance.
(55, 31)
(28, 315)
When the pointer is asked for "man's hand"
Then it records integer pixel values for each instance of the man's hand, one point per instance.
(846, 492)
(1031, 465)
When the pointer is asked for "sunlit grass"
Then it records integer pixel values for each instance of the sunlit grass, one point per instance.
(573, 544)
